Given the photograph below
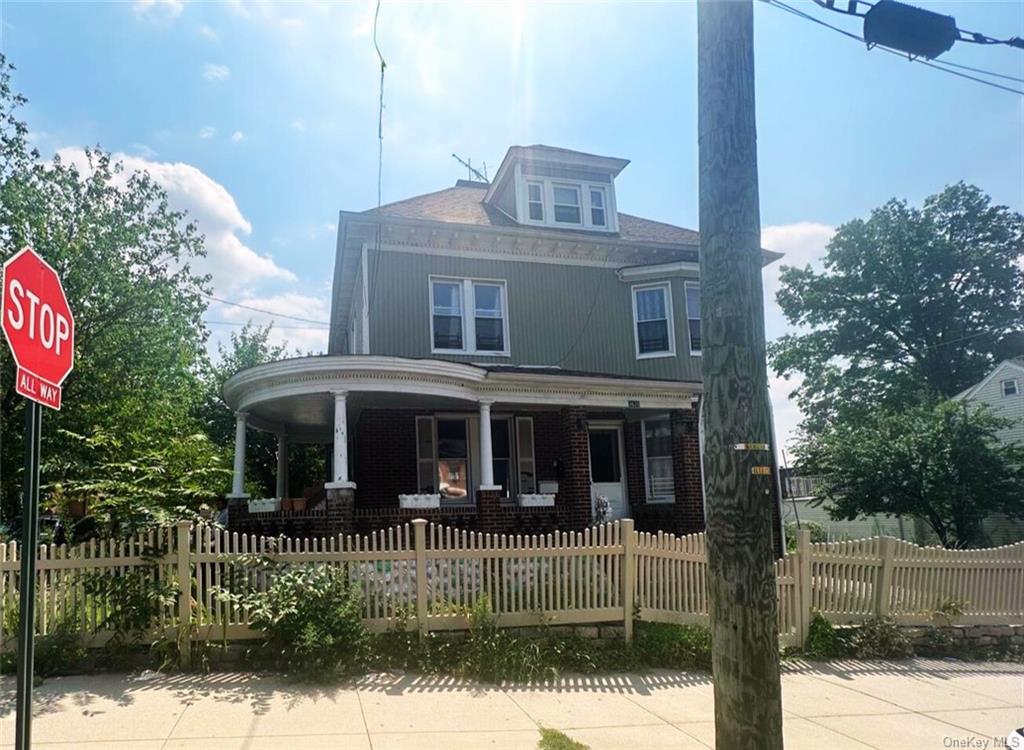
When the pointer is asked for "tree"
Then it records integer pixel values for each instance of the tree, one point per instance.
(912, 304)
(126, 263)
(249, 347)
(941, 462)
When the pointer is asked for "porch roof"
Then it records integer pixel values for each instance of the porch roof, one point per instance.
(294, 396)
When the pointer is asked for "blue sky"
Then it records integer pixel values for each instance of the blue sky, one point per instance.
(261, 119)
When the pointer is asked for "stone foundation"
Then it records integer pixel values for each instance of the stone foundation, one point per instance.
(969, 637)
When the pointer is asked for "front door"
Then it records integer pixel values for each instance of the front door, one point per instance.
(607, 478)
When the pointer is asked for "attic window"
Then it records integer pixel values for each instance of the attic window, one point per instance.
(1010, 388)
(567, 204)
(535, 200)
(597, 215)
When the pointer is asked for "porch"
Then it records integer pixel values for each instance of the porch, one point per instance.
(492, 449)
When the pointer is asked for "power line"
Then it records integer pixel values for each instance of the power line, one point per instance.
(265, 312)
(380, 161)
(237, 324)
(937, 66)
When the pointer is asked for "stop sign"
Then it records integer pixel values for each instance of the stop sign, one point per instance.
(39, 327)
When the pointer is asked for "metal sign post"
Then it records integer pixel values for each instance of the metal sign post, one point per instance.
(40, 329)
(27, 587)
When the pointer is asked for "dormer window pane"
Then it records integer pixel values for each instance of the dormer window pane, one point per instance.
(535, 200)
(597, 215)
(447, 315)
(490, 324)
(567, 204)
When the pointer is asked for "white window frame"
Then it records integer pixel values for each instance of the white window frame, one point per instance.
(543, 210)
(469, 316)
(521, 460)
(575, 187)
(1016, 387)
(648, 492)
(582, 187)
(591, 189)
(686, 290)
(667, 288)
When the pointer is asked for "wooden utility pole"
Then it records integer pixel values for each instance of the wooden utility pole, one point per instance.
(737, 431)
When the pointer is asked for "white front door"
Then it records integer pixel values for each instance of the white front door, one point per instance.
(607, 474)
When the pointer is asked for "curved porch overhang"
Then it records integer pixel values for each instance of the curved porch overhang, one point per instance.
(296, 396)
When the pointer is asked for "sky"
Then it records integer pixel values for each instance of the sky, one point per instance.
(261, 119)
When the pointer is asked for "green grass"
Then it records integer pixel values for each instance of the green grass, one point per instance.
(552, 739)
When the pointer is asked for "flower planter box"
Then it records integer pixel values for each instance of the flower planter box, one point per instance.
(419, 501)
(266, 505)
(536, 501)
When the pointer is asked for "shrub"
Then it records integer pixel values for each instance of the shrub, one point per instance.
(881, 638)
(673, 646)
(552, 739)
(823, 640)
(311, 620)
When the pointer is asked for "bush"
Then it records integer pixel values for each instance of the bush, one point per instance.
(823, 640)
(881, 638)
(673, 646)
(312, 622)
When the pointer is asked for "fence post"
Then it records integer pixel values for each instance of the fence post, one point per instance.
(184, 595)
(883, 583)
(803, 582)
(419, 527)
(628, 575)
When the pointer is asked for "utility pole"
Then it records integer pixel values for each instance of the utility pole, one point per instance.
(737, 429)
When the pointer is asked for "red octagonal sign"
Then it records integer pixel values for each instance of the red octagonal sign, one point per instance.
(39, 327)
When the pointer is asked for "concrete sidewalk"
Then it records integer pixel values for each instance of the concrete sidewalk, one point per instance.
(923, 704)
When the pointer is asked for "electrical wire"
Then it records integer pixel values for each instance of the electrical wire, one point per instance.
(380, 159)
(265, 312)
(238, 324)
(931, 64)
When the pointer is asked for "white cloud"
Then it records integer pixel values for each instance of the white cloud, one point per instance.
(803, 244)
(208, 32)
(233, 265)
(215, 72)
(301, 334)
(299, 124)
(158, 10)
(238, 136)
(207, 132)
(143, 150)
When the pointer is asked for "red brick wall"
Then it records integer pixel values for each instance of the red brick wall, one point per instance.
(385, 456)
(688, 511)
(574, 483)
(636, 485)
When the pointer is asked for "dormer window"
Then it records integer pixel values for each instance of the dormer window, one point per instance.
(597, 214)
(535, 200)
(567, 204)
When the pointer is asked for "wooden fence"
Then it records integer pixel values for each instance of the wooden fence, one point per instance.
(605, 574)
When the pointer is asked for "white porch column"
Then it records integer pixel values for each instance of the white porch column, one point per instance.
(238, 479)
(282, 465)
(486, 453)
(340, 463)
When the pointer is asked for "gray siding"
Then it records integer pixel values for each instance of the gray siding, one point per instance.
(575, 317)
(1008, 407)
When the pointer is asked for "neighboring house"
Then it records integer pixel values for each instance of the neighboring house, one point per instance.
(512, 356)
(1002, 391)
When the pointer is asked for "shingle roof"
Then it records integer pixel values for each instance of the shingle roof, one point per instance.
(463, 204)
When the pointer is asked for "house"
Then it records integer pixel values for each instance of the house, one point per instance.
(1002, 392)
(512, 356)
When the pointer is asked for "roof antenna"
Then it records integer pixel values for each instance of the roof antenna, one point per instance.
(472, 171)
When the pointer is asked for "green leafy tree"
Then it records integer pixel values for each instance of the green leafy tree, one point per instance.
(941, 463)
(249, 347)
(126, 260)
(911, 304)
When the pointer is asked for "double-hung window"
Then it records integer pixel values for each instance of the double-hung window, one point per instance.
(652, 316)
(469, 316)
(1009, 388)
(693, 315)
(597, 207)
(658, 460)
(566, 202)
(535, 200)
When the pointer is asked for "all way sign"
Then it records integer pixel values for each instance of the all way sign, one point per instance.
(39, 327)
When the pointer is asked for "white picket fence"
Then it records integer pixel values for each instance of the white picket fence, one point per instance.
(605, 574)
